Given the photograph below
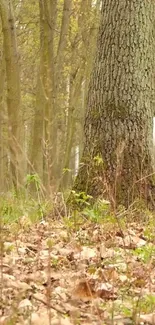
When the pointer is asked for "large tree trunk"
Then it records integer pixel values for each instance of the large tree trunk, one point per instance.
(117, 157)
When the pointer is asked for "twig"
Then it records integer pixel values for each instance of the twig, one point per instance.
(50, 306)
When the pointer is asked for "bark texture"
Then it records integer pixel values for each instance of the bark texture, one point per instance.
(117, 157)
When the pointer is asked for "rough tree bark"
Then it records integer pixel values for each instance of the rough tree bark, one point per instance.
(117, 157)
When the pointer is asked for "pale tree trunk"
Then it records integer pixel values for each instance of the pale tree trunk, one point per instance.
(117, 157)
(79, 72)
(74, 93)
(13, 88)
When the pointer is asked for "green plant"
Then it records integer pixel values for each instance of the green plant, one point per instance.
(33, 178)
(81, 198)
(145, 253)
(146, 304)
(98, 160)
(100, 209)
(73, 222)
(12, 208)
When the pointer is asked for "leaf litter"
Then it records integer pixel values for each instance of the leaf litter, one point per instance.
(50, 274)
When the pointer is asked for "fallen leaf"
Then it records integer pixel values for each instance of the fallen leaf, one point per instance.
(123, 278)
(105, 291)
(25, 304)
(131, 241)
(85, 290)
(149, 318)
(86, 253)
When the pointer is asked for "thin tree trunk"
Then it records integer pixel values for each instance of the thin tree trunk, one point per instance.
(41, 149)
(58, 121)
(79, 73)
(13, 88)
(74, 91)
(2, 121)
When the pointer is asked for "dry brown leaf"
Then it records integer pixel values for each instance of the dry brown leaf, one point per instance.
(61, 321)
(23, 285)
(8, 277)
(25, 304)
(39, 296)
(27, 257)
(4, 320)
(110, 273)
(118, 320)
(106, 252)
(36, 319)
(105, 291)
(123, 278)
(40, 318)
(130, 241)
(149, 318)
(86, 253)
(85, 290)
(61, 293)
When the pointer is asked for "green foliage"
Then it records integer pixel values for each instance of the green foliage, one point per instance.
(38, 210)
(98, 160)
(79, 199)
(13, 207)
(33, 179)
(54, 262)
(100, 209)
(145, 253)
(149, 231)
(74, 222)
(127, 312)
(66, 170)
(131, 307)
(146, 304)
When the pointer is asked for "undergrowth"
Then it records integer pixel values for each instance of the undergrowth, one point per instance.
(111, 254)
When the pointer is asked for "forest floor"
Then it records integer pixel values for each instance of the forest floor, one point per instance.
(81, 269)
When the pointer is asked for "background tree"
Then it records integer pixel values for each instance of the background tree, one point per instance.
(117, 157)
(52, 44)
(2, 118)
(64, 65)
(13, 89)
